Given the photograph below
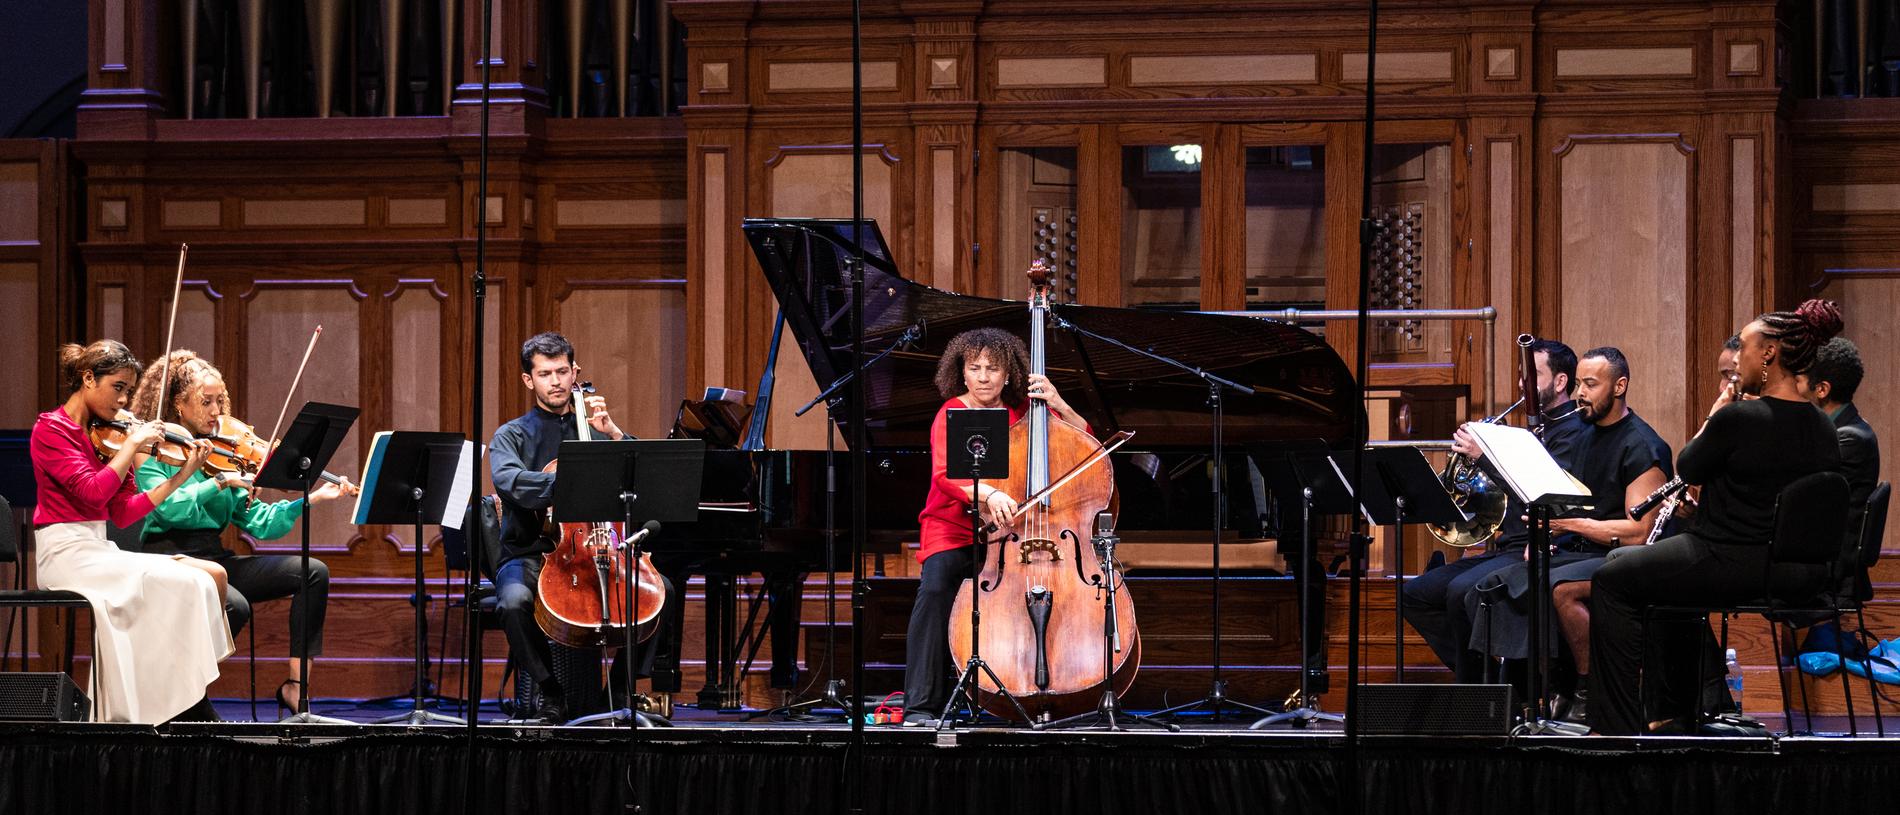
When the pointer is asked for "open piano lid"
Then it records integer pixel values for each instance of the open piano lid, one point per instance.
(1301, 388)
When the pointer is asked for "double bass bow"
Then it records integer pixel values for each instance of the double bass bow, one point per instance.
(1043, 617)
(580, 599)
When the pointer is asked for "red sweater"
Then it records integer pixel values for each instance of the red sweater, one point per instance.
(74, 485)
(945, 522)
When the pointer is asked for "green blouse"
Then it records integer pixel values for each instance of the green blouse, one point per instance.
(201, 504)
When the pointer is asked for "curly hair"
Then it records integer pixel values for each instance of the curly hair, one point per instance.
(1802, 332)
(102, 358)
(1004, 348)
(187, 372)
(1837, 363)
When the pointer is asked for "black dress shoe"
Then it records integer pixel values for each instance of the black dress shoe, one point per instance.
(551, 713)
(1560, 706)
(1578, 709)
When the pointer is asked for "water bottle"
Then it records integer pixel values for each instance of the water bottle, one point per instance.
(1734, 679)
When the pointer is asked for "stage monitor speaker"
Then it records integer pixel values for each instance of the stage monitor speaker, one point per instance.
(42, 697)
(1436, 710)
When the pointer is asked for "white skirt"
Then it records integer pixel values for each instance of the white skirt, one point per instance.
(160, 626)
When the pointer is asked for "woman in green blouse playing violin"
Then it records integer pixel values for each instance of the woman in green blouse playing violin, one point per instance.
(192, 521)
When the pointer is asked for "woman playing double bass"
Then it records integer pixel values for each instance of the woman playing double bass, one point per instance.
(982, 368)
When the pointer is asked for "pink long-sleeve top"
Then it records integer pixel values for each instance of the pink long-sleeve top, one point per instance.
(74, 485)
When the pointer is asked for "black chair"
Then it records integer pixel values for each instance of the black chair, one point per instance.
(26, 599)
(1849, 593)
(1802, 564)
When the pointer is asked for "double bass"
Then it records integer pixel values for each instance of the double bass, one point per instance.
(1039, 590)
(581, 596)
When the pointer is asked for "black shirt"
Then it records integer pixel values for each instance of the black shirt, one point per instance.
(515, 458)
(1745, 456)
(1560, 440)
(1609, 458)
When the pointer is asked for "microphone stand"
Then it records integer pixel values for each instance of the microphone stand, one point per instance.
(1216, 697)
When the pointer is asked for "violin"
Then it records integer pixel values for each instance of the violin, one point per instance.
(1043, 618)
(173, 448)
(236, 448)
(580, 599)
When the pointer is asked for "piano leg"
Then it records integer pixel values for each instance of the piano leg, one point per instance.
(787, 592)
(720, 609)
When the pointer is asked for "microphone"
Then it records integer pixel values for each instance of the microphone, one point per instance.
(978, 445)
(635, 539)
(915, 333)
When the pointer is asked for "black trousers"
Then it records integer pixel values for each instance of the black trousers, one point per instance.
(1679, 570)
(515, 585)
(927, 669)
(1434, 604)
(258, 578)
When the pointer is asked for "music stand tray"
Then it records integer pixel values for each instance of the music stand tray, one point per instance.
(409, 480)
(618, 481)
(312, 438)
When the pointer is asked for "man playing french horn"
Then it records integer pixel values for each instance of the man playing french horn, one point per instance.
(1434, 602)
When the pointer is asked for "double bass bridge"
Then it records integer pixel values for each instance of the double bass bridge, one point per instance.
(1028, 547)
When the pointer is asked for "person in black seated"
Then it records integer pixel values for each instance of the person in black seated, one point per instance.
(1434, 602)
(1747, 451)
(516, 455)
(1622, 460)
(1831, 384)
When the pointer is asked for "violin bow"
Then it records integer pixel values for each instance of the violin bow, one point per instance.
(165, 370)
(293, 384)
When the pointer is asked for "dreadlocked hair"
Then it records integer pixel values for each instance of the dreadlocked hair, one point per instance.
(1802, 332)
(1004, 348)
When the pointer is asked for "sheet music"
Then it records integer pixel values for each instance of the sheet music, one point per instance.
(1527, 468)
(457, 507)
(372, 466)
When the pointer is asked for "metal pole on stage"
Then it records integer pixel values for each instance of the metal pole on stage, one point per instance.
(478, 289)
(854, 761)
(1359, 542)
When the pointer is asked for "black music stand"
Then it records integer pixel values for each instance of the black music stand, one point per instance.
(976, 445)
(1410, 488)
(409, 481)
(1310, 476)
(1529, 472)
(298, 462)
(608, 481)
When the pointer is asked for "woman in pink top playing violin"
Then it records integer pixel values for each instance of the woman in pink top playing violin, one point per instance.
(159, 620)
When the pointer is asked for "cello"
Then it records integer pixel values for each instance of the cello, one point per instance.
(1039, 589)
(580, 599)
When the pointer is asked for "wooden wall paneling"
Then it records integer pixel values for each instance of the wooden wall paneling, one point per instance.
(280, 316)
(36, 222)
(1868, 301)
(1223, 219)
(1098, 196)
(1626, 208)
(1344, 168)
(630, 341)
(410, 369)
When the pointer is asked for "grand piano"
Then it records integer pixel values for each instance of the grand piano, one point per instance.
(764, 510)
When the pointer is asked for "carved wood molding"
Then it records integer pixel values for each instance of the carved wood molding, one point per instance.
(1572, 141)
